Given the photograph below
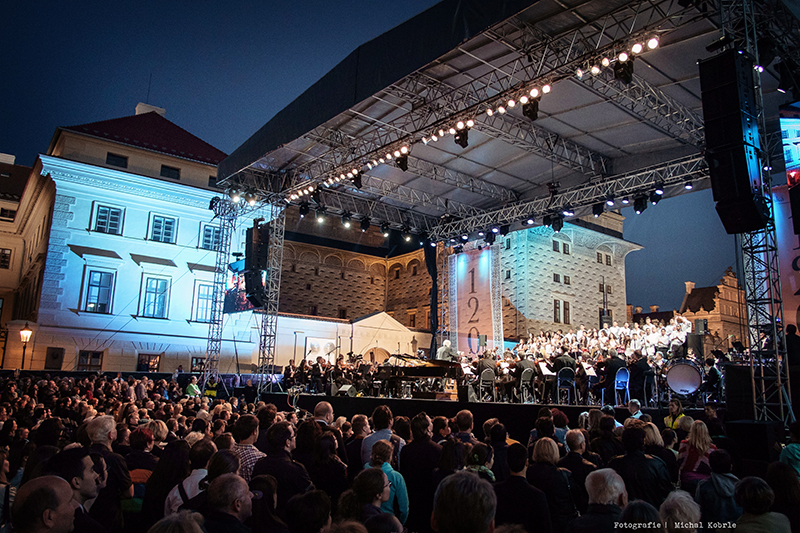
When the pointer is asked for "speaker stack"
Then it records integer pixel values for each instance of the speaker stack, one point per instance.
(732, 142)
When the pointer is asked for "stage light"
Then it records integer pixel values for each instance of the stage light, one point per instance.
(346, 219)
(626, 200)
(547, 220)
(304, 209)
(598, 209)
(688, 185)
(523, 99)
(250, 198)
(511, 103)
(462, 138)
(396, 153)
(640, 204)
(558, 224)
(495, 229)
(434, 138)
(659, 189)
(385, 229)
(655, 198)
(441, 133)
(489, 239)
(402, 162)
(364, 224)
(320, 215)
(460, 125)
(369, 165)
(534, 92)
(404, 149)
(350, 175)
(568, 212)
(452, 131)
(623, 70)
(465, 238)
(530, 221)
(605, 62)
(531, 110)
(610, 201)
(501, 110)
(470, 123)
(433, 244)
(406, 234)
(545, 89)
(481, 233)
(652, 44)
(235, 195)
(388, 156)
(595, 70)
(490, 112)
(579, 74)
(637, 48)
(382, 160)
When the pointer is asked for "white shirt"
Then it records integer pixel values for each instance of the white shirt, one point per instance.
(192, 487)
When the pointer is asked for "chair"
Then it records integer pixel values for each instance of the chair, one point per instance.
(620, 384)
(566, 380)
(487, 381)
(526, 385)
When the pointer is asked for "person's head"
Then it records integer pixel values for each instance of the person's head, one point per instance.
(651, 435)
(669, 436)
(323, 411)
(464, 420)
(381, 453)
(560, 419)
(421, 427)
(201, 453)
(382, 417)
(44, 504)
(782, 478)
(441, 427)
(230, 494)
(309, 512)
(280, 436)
(480, 455)
(685, 424)
(675, 407)
(576, 441)
(498, 433)
(225, 441)
(545, 427)
(463, 503)
(361, 425)
(606, 487)
(102, 430)
(634, 406)
(633, 439)
(76, 468)
(754, 495)
(222, 462)
(141, 439)
(679, 509)
(643, 513)
(246, 429)
(382, 523)
(517, 458)
(181, 522)
(402, 428)
(545, 451)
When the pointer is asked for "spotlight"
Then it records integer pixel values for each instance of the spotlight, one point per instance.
(626, 200)
(659, 189)
(558, 223)
(481, 233)
(530, 221)
(511, 103)
(406, 234)
(640, 204)
(595, 70)
(433, 244)
(403, 150)
(385, 229)
(470, 123)
(441, 133)
(317, 196)
(490, 112)
(501, 110)
(320, 215)
(364, 224)
(531, 109)
(623, 57)
(688, 186)
(460, 125)
(568, 212)
(346, 219)
(623, 69)
(424, 141)
(465, 238)
(610, 201)
(523, 99)
(489, 239)
(534, 92)
(598, 209)
(462, 138)
(250, 197)
(235, 195)
(402, 162)
(452, 131)
(545, 89)
(304, 209)
(547, 220)
(579, 74)
(434, 138)
(637, 48)
(655, 198)
(652, 44)
(605, 62)
(495, 229)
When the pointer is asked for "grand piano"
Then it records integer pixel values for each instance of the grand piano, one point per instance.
(406, 375)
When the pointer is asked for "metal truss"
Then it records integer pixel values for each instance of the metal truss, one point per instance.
(429, 103)
(762, 283)
(269, 318)
(582, 197)
(444, 296)
(359, 205)
(226, 211)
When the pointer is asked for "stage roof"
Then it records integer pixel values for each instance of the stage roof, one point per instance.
(595, 138)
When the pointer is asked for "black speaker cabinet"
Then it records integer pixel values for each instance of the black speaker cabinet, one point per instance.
(738, 393)
(743, 215)
(695, 342)
(757, 438)
(735, 172)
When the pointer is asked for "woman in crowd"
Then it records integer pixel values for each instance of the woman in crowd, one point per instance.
(606, 445)
(328, 472)
(264, 519)
(675, 413)
(654, 445)
(480, 461)
(693, 457)
(557, 484)
(398, 494)
(371, 489)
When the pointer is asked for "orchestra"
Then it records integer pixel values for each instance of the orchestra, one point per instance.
(654, 354)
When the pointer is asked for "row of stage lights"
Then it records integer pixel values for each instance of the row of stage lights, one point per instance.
(321, 215)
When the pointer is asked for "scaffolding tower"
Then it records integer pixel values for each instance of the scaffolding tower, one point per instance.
(269, 315)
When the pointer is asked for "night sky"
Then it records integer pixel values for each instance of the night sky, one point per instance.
(223, 69)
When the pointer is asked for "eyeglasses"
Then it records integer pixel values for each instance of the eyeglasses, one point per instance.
(388, 484)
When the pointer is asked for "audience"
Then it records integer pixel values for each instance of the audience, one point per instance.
(680, 513)
(519, 502)
(607, 498)
(755, 497)
(463, 503)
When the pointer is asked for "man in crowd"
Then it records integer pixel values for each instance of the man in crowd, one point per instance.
(418, 459)
(465, 424)
(323, 415)
(107, 509)
(361, 430)
(575, 463)
(246, 434)
(229, 505)
(646, 477)
(607, 498)
(519, 502)
(76, 467)
(44, 505)
(309, 513)
(464, 503)
(382, 420)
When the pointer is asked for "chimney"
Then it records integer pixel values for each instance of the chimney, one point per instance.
(689, 286)
(142, 108)
(8, 159)
(637, 310)
(654, 309)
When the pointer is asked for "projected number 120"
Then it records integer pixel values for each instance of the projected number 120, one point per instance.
(474, 305)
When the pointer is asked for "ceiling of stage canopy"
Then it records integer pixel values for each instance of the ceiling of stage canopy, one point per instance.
(458, 62)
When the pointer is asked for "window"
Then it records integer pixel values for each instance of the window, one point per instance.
(148, 362)
(556, 247)
(557, 278)
(91, 361)
(99, 291)
(163, 229)
(566, 313)
(292, 268)
(608, 313)
(414, 270)
(197, 364)
(115, 160)
(601, 287)
(343, 312)
(312, 310)
(787, 155)
(397, 274)
(5, 258)
(343, 275)
(608, 260)
(557, 311)
(600, 257)
(508, 244)
(211, 236)
(567, 280)
(608, 289)
(108, 220)
(566, 249)
(508, 273)
(205, 300)
(156, 293)
(308, 286)
(8, 214)
(412, 320)
(170, 172)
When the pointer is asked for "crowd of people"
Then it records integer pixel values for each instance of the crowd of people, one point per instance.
(96, 454)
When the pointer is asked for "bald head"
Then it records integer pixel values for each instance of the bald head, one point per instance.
(324, 411)
(44, 504)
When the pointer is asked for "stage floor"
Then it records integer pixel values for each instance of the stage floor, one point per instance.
(519, 419)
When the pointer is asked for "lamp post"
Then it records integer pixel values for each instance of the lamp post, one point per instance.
(25, 336)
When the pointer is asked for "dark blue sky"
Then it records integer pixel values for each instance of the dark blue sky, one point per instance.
(223, 69)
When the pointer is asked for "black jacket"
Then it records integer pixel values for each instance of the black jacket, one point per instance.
(292, 477)
(580, 468)
(560, 489)
(646, 477)
(418, 459)
(598, 518)
(217, 522)
(519, 502)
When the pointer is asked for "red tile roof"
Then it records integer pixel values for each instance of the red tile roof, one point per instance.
(151, 131)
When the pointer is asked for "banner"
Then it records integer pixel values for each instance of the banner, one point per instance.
(474, 300)
(788, 255)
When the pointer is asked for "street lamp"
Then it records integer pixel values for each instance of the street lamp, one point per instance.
(25, 336)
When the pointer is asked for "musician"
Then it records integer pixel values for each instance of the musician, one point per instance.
(318, 375)
(523, 364)
(637, 368)
(562, 360)
(446, 352)
(487, 362)
(712, 380)
(677, 338)
(289, 372)
(612, 365)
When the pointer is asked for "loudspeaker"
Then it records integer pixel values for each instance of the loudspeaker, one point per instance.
(346, 390)
(794, 202)
(735, 172)
(256, 247)
(695, 342)
(738, 393)
(254, 288)
(757, 438)
(743, 215)
(700, 326)
(463, 394)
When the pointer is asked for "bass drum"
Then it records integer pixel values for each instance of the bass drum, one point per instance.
(684, 376)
